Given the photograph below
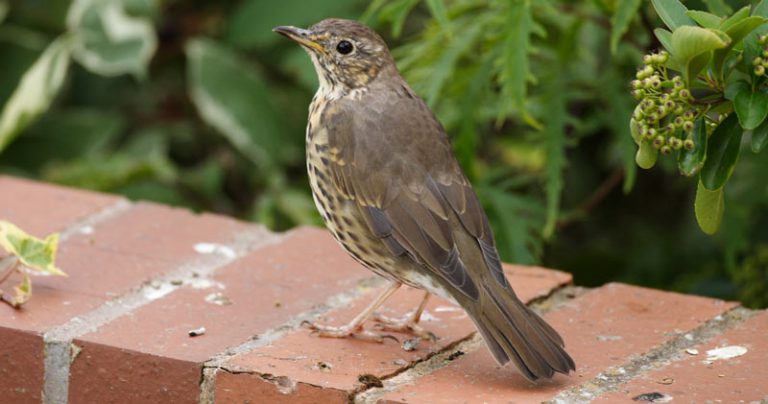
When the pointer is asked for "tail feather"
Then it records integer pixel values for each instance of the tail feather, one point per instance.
(513, 332)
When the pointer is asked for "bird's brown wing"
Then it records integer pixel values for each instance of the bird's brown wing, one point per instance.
(406, 182)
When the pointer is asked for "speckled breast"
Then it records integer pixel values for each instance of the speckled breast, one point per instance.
(341, 215)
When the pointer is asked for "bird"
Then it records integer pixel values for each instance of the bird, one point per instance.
(390, 190)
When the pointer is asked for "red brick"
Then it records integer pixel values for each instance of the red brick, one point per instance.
(118, 256)
(304, 269)
(298, 355)
(40, 209)
(603, 328)
(117, 375)
(21, 366)
(250, 388)
(121, 254)
(740, 379)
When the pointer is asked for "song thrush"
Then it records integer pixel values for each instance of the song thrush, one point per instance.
(386, 182)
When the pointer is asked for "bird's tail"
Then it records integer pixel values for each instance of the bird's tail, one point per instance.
(513, 332)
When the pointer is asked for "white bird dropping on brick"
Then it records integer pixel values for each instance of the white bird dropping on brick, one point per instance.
(213, 248)
(726, 352)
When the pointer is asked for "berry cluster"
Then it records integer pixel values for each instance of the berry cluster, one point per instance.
(664, 113)
(761, 62)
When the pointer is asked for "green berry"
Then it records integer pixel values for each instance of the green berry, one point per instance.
(689, 145)
(646, 156)
(687, 126)
(648, 59)
(685, 94)
(757, 60)
(676, 143)
(688, 115)
(638, 94)
(666, 150)
(679, 122)
(637, 84)
(759, 70)
(658, 141)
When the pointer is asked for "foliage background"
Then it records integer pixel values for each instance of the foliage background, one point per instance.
(534, 94)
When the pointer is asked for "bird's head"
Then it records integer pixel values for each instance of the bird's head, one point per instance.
(345, 53)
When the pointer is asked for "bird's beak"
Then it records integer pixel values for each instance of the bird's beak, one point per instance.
(302, 36)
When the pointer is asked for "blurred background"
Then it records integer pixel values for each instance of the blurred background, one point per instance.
(198, 104)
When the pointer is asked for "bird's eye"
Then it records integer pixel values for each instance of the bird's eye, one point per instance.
(344, 47)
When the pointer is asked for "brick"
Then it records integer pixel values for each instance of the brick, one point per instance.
(336, 364)
(40, 209)
(265, 288)
(117, 375)
(120, 254)
(739, 379)
(603, 328)
(252, 389)
(21, 366)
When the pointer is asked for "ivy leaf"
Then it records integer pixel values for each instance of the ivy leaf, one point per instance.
(722, 153)
(709, 207)
(690, 161)
(751, 107)
(38, 87)
(760, 137)
(36, 254)
(625, 12)
(672, 12)
(110, 41)
(234, 99)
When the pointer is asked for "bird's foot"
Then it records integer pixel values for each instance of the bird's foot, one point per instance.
(407, 325)
(345, 331)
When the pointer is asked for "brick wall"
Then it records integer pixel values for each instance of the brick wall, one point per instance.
(141, 276)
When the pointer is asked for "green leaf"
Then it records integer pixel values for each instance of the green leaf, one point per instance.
(250, 23)
(3, 10)
(437, 9)
(623, 15)
(37, 89)
(735, 18)
(664, 37)
(736, 31)
(234, 99)
(690, 162)
(515, 70)
(555, 104)
(718, 7)
(706, 20)
(722, 152)
(62, 135)
(751, 108)
(109, 40)
(752, 48)
(760, 137)
(444, 66)
(39, 255)
(709, 207)
(672, 12)
(692, 46)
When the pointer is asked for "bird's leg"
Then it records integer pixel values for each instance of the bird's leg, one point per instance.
(355, 327)
(408, 324)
